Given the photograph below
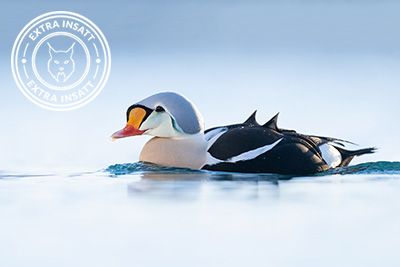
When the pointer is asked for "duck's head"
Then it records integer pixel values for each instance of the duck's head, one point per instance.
(167, 114)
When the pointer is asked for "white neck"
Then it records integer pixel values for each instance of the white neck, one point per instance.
(189, 152)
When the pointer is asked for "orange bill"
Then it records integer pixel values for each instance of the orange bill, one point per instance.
(132, 127)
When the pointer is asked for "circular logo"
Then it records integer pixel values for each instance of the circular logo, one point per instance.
(61, 60)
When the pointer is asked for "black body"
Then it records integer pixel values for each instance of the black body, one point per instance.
(295, 154)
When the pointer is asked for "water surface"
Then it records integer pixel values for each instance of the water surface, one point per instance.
(144, 215)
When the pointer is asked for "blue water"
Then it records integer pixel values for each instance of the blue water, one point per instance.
(146, 215)
(380, 167)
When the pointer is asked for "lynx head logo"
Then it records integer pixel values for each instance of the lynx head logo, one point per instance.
(61, 65)
(58, 66)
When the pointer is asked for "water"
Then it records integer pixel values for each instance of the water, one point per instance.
(143, 215)
(380, 167)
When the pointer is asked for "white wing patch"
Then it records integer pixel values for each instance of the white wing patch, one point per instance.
(213, 135)
(210, 160)
(245, 156)
(252, 154)
(330, 155)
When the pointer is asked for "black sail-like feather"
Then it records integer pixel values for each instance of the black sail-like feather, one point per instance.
(252, 120)
(272, 123)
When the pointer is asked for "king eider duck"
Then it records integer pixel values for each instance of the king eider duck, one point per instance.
(180, 141)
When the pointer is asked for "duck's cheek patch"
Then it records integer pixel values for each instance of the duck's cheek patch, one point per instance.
(151, 122)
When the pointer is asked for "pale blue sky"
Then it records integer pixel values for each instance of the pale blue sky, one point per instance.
(330, 67)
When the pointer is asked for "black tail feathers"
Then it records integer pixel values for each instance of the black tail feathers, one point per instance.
(348, 155)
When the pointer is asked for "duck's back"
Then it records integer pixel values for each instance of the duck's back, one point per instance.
(257, 149)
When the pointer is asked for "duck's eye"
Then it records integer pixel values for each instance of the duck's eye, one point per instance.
(159, 109)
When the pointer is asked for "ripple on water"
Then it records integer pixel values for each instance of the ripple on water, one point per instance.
(379, 167)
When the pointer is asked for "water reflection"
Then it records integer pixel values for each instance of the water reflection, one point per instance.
(203, 184)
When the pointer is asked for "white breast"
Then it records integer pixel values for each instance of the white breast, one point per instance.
(176, 152)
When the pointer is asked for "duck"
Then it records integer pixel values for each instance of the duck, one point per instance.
(180, 140)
